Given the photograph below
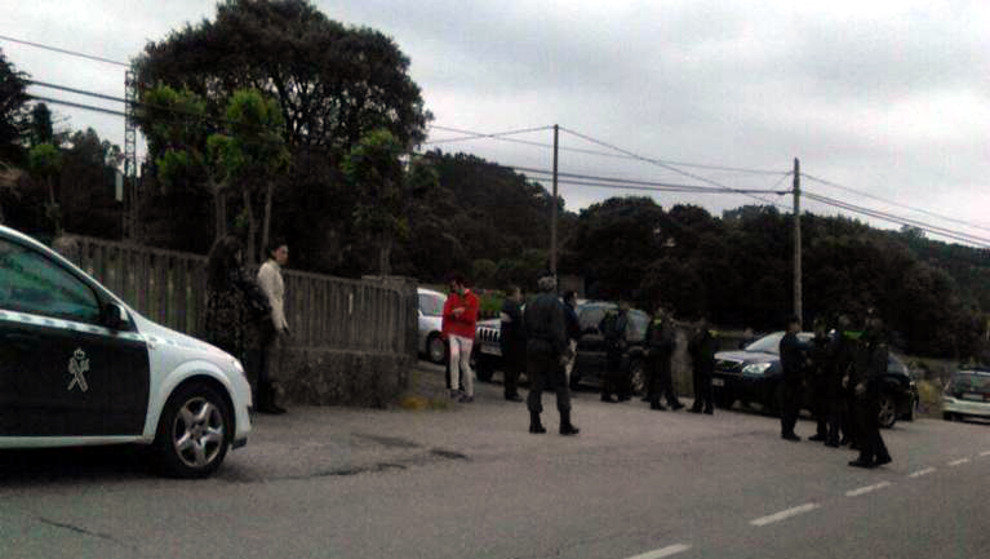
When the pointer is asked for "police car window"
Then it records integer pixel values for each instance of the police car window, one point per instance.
(33, 284)
(431, 305)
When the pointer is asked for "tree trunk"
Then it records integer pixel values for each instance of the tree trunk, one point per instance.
(219, 210)
(385, 256)
(266, 224)
(252, 251)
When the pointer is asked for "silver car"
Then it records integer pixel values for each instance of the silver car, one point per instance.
(967, 395)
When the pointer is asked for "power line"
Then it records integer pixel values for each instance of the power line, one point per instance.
(879, 199)
(470, 135)
(65, 51)
(662, 164)
(614, 182)
(933, 229)
(480, 135)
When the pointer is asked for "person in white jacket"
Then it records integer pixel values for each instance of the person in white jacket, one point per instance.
(271, 282)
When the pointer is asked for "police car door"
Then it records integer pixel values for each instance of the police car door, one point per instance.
(62, 373)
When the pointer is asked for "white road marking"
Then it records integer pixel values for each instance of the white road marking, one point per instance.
(985, 453)
(958, 462)
(777, 517)
(920, 473)
(663, 552)
(867, 489)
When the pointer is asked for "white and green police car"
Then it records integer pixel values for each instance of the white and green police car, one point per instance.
(80, 367)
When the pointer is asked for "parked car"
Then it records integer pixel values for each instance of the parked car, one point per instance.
(80, 367)
(590, 361)
(967, 394)
(752, 375)
(431, 344)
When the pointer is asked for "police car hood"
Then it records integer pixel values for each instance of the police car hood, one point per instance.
(155, 330)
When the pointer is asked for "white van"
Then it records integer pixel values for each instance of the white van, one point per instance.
(80, 367)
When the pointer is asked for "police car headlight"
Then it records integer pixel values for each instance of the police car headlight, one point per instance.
(755, 368)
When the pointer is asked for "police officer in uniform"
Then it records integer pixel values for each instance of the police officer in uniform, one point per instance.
(660, 341)
(792, 365)
(871, 366)
(702, 348)
(822, 363)
(613, 328)
(546, 353)
(513, 341)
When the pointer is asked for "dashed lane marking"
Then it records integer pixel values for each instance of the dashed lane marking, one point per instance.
(920, 473)
(663, 552)
(985, 453)
(784, 514)
(959, 462)
(867, 489)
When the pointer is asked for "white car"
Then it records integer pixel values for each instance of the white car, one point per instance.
(80, 367)
(967, 394)
(431, 304)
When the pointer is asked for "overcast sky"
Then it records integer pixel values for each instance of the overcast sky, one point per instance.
(887, 99)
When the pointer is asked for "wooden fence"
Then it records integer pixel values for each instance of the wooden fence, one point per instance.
(169, 287)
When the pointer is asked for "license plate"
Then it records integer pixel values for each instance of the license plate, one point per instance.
(972, 396)
(491, 350)
(718, 382)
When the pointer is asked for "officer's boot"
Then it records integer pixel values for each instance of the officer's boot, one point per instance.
(565, 424)
(535, 425)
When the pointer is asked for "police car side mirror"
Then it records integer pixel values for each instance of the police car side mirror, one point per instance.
(115, 316)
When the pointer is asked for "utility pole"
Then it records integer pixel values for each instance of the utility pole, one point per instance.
(553, 209)
(798, 311)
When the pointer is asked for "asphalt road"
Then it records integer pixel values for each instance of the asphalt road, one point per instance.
(469, 481)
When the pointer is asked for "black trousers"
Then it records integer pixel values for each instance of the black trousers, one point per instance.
(790, 405)
(660, 383)
(836, 411)
(820, 406)
(703, 395)
(545, 371)
(872, 447)
(513, 364)
(615, 380)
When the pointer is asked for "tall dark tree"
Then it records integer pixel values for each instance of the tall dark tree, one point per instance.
(13, 98)
(333, 83)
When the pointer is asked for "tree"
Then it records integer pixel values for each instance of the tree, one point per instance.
(385, 184)
(249, 156)
(40, 129)
(333, 84)
(45, 162)
(13, 98)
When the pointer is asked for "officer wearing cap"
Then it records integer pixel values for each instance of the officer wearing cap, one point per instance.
(546, 353)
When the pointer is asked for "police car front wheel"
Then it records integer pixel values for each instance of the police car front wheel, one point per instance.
(194, 432)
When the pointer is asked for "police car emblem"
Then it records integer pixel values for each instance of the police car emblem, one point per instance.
(78, 365)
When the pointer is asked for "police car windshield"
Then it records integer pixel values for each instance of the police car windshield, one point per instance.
(971, 381)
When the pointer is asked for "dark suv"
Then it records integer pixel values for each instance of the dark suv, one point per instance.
(590, 362)
(752, 375)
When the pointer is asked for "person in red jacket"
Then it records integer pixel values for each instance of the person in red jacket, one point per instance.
(460, 314)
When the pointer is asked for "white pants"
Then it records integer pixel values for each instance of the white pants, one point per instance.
(460, 360)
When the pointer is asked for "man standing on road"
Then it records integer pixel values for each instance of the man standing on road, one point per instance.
(792, 365)
(702, 348)
(822, 363)
(613, 328)
(513, 342)
(460, 316)
(546, 351)
(873, 365)
(660, 340)
(271, 282)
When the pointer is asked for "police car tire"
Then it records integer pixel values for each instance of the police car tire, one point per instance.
(210, 432)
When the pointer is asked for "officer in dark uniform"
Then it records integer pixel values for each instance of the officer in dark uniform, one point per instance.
(660, 341)
(546, 347)
(792, 369)
(613, 328)
(512, 338)
(822, 364)
(871, 367)
(702, 348)
(846, 356)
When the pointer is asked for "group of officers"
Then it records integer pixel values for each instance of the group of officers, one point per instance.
(542, 342)
(843, 371)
